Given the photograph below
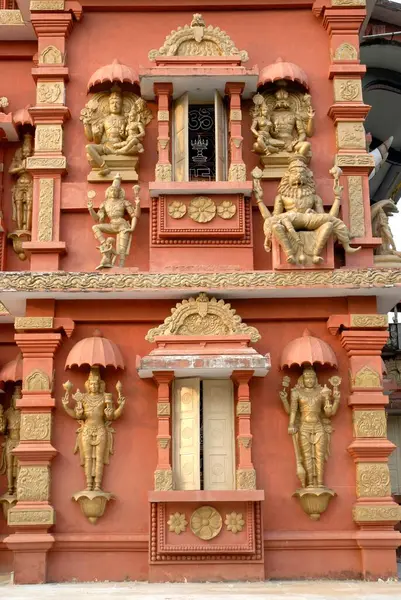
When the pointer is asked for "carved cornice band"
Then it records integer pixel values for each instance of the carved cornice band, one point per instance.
(65, 281)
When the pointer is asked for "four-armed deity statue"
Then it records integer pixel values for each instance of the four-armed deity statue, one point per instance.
(281, 124)
(114, 125)
(10, 421)
(22, 196)
(310, 410)
(298, 210)
(95, 410)
(114, 208)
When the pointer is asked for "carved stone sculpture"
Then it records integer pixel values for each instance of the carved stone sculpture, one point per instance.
(310, 410)
(281, 123)
(298, 210)
(10, 422)
(22, 196)
(386, 254)
(114, 125)
(95, 411)
(114, 208)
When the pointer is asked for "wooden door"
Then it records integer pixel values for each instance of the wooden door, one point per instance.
(180, 132)
(218, 435)
(186, 438)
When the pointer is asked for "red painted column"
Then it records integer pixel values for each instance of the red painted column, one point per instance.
(33, 515)
(163, 92)
(237, 170)
(163, 473)
(245, 475)
(375, 512)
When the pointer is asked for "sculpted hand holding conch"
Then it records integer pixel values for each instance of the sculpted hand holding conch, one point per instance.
(310, 411)
(94, 409)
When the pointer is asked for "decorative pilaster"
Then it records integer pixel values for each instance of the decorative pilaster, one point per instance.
(246, 474)
(375, 512)
(348, 112)
(237, 170)
(33, 514)
(163, 473)
(163, 92)
(49, 114)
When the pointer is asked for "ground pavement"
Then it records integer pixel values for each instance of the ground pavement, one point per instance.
(306, 590)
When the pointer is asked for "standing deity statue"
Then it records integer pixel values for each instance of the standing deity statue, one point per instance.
(95, 410)
(281, 123)
(298, 209)
(10, 422)
(22, 193)
(387, 252)
(310, 411)
(114, 207)
(114, 124)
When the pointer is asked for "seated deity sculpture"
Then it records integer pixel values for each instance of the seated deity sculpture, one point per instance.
(281, 123)
(114, 125)
(299, 223)
(114, 208)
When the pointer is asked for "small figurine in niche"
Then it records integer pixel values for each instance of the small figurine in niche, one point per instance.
(22, 196)
(94, 409)
(108, 254)
(10, 422)
(114, 207)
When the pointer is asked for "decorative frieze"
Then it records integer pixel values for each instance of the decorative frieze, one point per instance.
(347, 90)
(370, 423)
(28, 517)
(38, 162)
(376, 513)
(348, 3)
(33, 484)
(45, 218)
(49, 138)
(372, 480)
(11, 17)
(36, 426)
(355, 160)
(33, 323)
(369, 321)
(350, 135)
(50, 92)
(44, 5)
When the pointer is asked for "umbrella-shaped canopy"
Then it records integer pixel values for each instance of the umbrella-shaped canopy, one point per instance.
(22, 117)
(307, 350)
(115, 72)
(95, 351)
(12, 371)
(283, 70)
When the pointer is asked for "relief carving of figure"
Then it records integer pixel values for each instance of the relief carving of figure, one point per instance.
(387, 253)
(10, 422)
(22, 194)
(298, 209)
(114, 208)
(310, 411)
(281, 123)
(95, 411)
(114, 124)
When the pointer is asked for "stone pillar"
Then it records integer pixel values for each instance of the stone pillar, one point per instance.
(375, 512)
(237, 170)
(163, 92)
(348, 113)
(33, 514)
(48, 164)
(246, 475)
(164, 472)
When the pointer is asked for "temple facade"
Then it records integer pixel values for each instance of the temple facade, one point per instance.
(194, 292)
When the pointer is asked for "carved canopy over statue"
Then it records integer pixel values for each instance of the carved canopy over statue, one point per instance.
(114, 124)
(298, 222)
(198, 40)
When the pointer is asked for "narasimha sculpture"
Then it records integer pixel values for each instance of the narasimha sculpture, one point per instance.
(299, 210)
